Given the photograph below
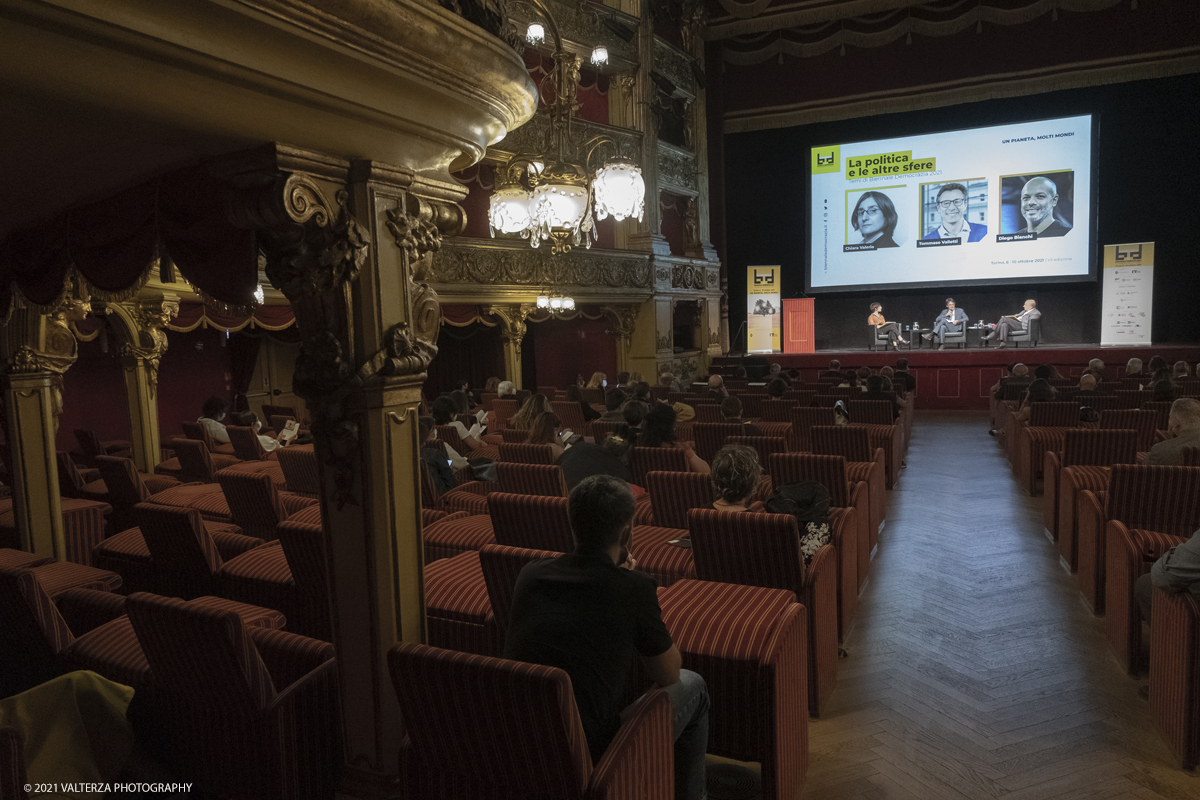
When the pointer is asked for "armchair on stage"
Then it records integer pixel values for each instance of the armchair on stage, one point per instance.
(1032, 334)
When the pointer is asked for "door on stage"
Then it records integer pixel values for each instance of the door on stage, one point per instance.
(798, 326)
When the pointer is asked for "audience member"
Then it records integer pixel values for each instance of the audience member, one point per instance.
(1178, 570)
(1164, 391)
(535, 406)
(1180, 370)
(774, 370)
(1133, 367)
(739, 373)
(1156, 363)
(808, 502)
(610, 457)
(672, 383)
(641, 392)
(1039, 391)
(875, 391)
(506, 389)
(588, 612)
(735, 476)
(443, 411)
(1097, 365)
(249, 419)
(834, 371)
(545, 429)
(634, 411)
(440, 464)
(599, 381)
(1183, 430)
(463, 403)
(1043, 372)
(731, 410)
(211, 414)
(613, 401)
(776, 388)
(623, 380)
(658, 430)
(716, 387)
(635, 377)
(910, 380)
(575, 395)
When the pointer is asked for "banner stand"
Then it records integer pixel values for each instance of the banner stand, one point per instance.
(1128, 295)
(762, 309)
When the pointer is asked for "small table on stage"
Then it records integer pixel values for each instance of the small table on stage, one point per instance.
(984, 332)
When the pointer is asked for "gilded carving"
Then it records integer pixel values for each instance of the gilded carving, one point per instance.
(150, 343)
(687, 276)
(537, 136)
(513, 322)
(675, 65)
(528, 267)
(676, 168)
(491, 15)
(663, 274)
(664, 342)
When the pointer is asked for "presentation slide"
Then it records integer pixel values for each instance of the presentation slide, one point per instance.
(1010, 203)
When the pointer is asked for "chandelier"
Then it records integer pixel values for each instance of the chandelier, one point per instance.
(555, 302)
(558, 194)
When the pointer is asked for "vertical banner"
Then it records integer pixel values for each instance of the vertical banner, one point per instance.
(762, 309)
(1128, 294)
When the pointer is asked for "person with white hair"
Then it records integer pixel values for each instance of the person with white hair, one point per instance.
(1180, 370)
(1133, 367)
(1097, 366)
(1183, 430)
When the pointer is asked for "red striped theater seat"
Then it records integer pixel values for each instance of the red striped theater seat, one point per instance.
(863, 463)
(536, 479)
(457, 534)
(1151, 498)
(247, 711)
(764, 446)
(1130, 554)
(458, 612)
(776, 410)
(520, 724)
(1175, 672)
(530, 521)
(1084, 450)
(749, 644)
(710, 437)
(1144, 422)
(83, 527)
(502, 566)
(764, 550)
(197, 432)
(301, 472)
(848, 519)
(644, 460)
(255, 505)
(246, 444)
(526, 453)
(57, 577)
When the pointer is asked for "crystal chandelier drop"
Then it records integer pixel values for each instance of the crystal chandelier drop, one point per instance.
(557, 195)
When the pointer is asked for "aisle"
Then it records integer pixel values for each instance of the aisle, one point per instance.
(974, 669)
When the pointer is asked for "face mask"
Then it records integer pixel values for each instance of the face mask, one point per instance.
(603, 383)
(221, 417)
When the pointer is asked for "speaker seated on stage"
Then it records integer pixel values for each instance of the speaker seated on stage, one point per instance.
(1015, 323)
(951, 322)
(884, 328)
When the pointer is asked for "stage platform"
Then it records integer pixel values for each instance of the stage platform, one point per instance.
(960, 379)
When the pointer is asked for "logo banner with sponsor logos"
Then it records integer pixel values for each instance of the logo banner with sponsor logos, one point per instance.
(1128, 294)
(762, 309)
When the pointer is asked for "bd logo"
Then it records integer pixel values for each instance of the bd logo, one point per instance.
(1129, 254)
(827, 159)
(764, 278)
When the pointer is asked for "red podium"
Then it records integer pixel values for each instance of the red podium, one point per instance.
(798, 326)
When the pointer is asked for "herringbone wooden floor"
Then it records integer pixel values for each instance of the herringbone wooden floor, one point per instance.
(974, 669)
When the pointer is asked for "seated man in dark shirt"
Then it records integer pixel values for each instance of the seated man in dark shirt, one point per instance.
(439, 464)
(613, 401)
(588, 612)
(731, 410)
(875, 392)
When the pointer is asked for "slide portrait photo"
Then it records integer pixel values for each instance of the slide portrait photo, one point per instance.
(873, 221)
(1038, 202)
(954, 210)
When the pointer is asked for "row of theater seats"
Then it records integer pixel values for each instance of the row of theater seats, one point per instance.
(1111, 517)
(747, 614)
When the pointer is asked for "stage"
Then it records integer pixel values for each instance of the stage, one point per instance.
(960, 379)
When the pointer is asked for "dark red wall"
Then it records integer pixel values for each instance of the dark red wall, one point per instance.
(563, 349)
(474, 352)
(94, 394)
(195, 367)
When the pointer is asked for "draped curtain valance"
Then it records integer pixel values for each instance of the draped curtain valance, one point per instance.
(113, 243)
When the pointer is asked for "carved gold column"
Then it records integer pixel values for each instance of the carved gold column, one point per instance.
(143, 345)
(513, 327)
(38, 349)
(624, 320)
(353, 262)
(648, 237)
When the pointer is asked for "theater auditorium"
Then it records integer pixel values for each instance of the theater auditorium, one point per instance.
(653, 399)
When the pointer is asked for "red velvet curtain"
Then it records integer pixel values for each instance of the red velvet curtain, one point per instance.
(113, 242)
